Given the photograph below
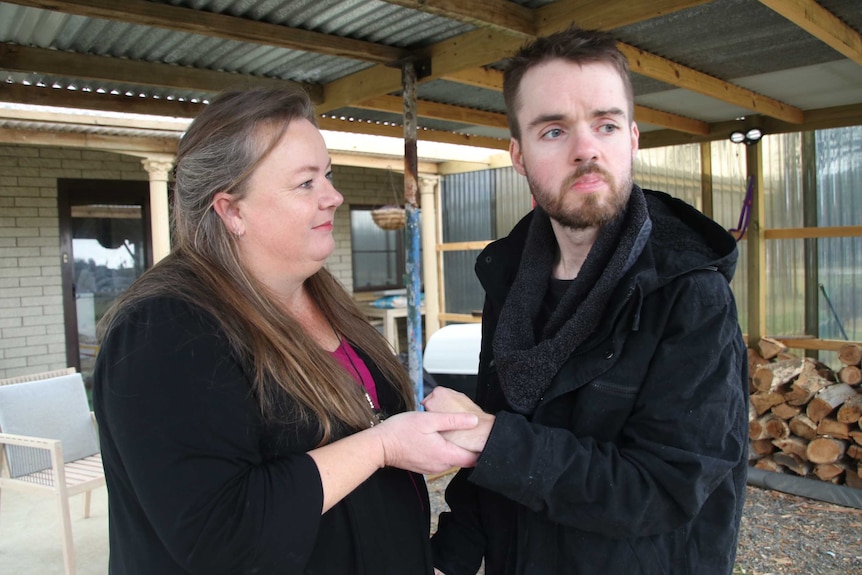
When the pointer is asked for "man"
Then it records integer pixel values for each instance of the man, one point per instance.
(612, 373)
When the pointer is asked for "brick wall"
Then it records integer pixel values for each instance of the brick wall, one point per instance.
(32, 336)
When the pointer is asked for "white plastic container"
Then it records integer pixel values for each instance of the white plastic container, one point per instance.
(452, 356)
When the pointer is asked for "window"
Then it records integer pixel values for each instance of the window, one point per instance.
(378, 254)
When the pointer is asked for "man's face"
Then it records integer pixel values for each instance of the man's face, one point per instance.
(577, 141)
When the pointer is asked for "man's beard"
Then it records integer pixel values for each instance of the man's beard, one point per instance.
(595, 210)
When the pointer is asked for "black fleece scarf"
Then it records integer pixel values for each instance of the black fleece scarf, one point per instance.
(526, 366)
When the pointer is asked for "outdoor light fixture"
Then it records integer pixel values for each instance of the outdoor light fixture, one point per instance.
(748, 137)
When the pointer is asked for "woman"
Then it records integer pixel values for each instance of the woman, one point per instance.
(248, 414)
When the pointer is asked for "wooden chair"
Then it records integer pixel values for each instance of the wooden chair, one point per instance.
(50, 446)
(37, 376)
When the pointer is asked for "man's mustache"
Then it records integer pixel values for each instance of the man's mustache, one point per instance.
(583, 170)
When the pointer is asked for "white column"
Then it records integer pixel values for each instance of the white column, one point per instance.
(160, 226)
(427, 192)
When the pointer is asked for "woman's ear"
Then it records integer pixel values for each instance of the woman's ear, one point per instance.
(228, 210)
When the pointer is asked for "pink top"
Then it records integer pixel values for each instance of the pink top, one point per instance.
(353, 364)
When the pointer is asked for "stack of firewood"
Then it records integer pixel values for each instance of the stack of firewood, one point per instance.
(805, 418)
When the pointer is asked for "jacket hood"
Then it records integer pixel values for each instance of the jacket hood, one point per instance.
(681, 240)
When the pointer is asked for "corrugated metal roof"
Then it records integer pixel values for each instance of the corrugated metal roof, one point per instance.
(738, 41)
(733, 38)
(68, 128)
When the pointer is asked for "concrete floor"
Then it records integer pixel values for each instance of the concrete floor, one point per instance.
(30, 538)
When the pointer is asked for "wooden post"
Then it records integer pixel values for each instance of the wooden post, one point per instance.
(159, 218)
(756, 247)
(427, 190)
(706, 179)
(809, 220)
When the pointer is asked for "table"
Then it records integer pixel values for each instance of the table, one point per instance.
(388, 315)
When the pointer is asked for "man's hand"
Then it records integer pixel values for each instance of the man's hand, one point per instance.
(445, 400)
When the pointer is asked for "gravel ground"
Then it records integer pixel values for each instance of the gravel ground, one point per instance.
(781, 534)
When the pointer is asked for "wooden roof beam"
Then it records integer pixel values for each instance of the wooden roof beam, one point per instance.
(604, 14)
(60, 98)
(437, 111)
(220, 26)
(822, 24)
(119, 144)
(481, 47)
(501, 15)
(25, 59)
(675, 74)
(493, 80)
(397, 131)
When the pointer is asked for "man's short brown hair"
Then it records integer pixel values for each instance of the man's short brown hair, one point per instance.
(572, 45)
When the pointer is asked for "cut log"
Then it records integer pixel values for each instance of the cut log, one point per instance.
(803, 427)
(777, 428)
(757, 427)
(851, 479)
(764, 401)
(770, 348)
(755, 359)
(760, 448)
(830, 472)
(793, 445)
(774, 376)
(833, 428)
(850, 374)
(795, 464)
(806, 385)
(767, 464)
(848, 354)
(851, 410)
(828, 400)
(856, 435)
(786, 411)
(854, 450)
(825, 450)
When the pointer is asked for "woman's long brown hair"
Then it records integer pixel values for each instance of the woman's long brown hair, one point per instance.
(220, 150)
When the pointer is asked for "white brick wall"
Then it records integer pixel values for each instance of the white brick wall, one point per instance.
(32, 336)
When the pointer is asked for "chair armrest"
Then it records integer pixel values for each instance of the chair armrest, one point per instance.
(29, 441)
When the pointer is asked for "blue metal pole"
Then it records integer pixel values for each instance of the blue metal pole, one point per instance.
(414, 302)
(411, 206)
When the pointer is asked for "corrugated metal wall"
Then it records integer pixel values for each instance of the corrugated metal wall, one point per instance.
(683, 181)
(513, 199)
(485, 205)
(467, 208)
(785, 259)
(477, 206)
(839, 182)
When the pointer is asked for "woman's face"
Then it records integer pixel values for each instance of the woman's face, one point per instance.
(284, 220)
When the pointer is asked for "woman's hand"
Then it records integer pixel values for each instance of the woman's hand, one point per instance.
(413, 440)
(416, 441)
(445, 400)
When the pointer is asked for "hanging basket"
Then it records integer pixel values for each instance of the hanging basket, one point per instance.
(389, 217)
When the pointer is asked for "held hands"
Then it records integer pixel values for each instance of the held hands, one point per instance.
(416, 441)
(446, 400)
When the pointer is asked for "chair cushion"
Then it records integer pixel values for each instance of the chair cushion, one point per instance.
(54, 408)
